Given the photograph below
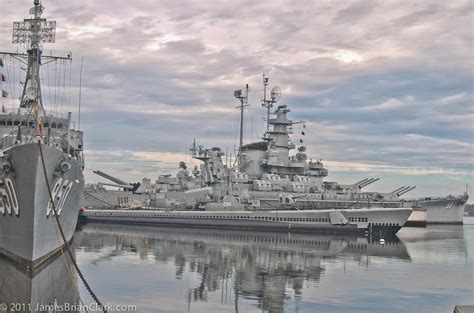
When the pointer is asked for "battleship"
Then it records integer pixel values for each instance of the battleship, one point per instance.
(264, 176)
(41, 156)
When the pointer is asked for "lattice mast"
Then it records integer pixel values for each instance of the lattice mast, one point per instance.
(33, 32)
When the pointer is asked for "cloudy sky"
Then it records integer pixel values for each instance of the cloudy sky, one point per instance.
(385, 87)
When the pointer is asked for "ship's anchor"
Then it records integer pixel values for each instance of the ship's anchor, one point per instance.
(63, 167)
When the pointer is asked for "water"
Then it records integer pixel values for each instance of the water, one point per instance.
(174, 270)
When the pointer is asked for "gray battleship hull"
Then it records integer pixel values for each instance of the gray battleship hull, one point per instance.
(30, 235)
(449, 210)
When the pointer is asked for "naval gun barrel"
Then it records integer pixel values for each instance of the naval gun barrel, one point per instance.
(361, 182)
(398, 189)
(111, 178)
(199, 192)
(125, 187)
(404, 191)
(370, 181)
(401, 191)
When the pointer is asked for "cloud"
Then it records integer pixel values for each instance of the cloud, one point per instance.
(390, 90)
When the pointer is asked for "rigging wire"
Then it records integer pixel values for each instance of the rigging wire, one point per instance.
(60, 90)
(69, 87)
(49, 87)
(70, 272)
(55, 84)
(9, 87)
(63, 89)
(66, 244)
(14, 79)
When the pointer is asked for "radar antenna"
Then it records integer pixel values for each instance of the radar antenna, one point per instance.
(243, 103)
(275, 96)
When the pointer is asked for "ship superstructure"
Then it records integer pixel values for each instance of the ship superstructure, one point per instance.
(269, 177)
(38, 147)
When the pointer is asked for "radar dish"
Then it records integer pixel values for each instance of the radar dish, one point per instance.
(275, 94)
(30, 93)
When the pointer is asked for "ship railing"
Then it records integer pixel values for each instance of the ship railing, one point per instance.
(448, 197)
(12, 139)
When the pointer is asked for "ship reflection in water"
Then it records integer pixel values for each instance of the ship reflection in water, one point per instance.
(51, 288)
(196, 270)
(175, 270)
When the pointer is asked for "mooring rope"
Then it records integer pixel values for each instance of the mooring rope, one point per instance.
(66, 244)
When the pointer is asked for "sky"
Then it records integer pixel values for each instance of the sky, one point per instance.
(385, 87)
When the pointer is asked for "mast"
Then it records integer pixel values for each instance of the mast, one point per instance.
(265, 103)
(243, 103)
(275, 95)
(33, 32)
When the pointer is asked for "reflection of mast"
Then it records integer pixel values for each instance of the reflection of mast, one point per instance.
(236, 302)
(243, 103)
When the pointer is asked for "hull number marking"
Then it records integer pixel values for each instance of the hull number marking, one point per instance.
(60, 191)
(8, 197)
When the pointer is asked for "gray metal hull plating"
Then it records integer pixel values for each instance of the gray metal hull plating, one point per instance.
(376, 221)
(443, 211)
(31, 235)
(448, 210)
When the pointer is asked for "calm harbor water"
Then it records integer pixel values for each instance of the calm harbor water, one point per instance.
(196, 270)
(175, 270)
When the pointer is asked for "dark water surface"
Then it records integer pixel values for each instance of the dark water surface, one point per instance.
(175, 270)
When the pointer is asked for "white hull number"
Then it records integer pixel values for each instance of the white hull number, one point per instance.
(8, 197)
